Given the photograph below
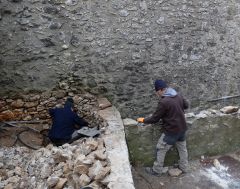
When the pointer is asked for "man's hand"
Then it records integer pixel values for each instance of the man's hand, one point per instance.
(140, 119)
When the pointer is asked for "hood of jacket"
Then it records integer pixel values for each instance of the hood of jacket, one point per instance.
(170, 92)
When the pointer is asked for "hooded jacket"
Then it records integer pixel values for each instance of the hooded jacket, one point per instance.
(171, 110)
(64, 121)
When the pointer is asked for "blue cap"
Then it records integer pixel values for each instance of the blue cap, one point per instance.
(160, 84)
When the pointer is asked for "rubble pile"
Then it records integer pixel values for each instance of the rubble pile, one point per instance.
(82, 163)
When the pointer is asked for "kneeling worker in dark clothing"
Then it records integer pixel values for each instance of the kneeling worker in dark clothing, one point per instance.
(171, 110)
(64, 120)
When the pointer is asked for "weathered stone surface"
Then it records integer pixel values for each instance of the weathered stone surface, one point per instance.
(67, 169)
(95, 169)
(34, 98)
(216, 163)
(59, 94)
(60, 156)
(229, 109)
(129, 122)
(17, 104)
(103, 173)
(2, 104)
(117, 151)
(27, 118)
(18, 171)
(46, 171)
(104, 103)
(95, 185)
(60, 183)
(92, 144)
(9, 186)
(52, 181)
(31, 104)
(158, 45)
(100, 155)
(84, 180)
(174, 172)
(81, 169)
(6, 115)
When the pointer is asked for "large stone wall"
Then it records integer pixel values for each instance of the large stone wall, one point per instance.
(118, 47)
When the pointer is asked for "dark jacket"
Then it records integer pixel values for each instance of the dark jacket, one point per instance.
(171, 110)
(64, 121)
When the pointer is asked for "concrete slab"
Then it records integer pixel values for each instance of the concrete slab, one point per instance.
(117, 151)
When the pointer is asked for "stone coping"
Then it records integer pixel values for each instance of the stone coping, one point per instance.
(117, 151)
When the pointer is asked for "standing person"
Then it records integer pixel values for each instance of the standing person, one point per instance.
(171, 110)
(64, 124)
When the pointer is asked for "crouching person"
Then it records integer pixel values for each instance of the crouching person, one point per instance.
(64, 122)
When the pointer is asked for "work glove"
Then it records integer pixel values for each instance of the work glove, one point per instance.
(140, 120)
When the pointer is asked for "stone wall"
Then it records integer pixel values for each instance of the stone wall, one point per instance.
(35, 107)
(118, 47)
(210, 133)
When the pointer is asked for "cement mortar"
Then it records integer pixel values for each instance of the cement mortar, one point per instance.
(117, 48)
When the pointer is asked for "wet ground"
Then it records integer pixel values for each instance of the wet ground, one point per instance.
(204, 174)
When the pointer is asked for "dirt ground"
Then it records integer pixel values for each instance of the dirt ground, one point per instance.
(22, 136)
(203, 175)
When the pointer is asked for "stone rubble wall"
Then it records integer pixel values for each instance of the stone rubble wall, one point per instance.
(117, 48)
(35, 106)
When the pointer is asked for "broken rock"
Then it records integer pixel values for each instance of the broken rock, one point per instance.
(17, 103)
(229, 109)
(52, 181)
(129, 122)
(9, 186)
(84, 180)
(79, 157)
(60, 183)
(7, 115)
(81, 169)
(104, 103)
(95, 169)
(103, 173)
(216, 163)
(92, 144)
(174, 172)
(46, 171)
(30, 104)
(100, 155)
